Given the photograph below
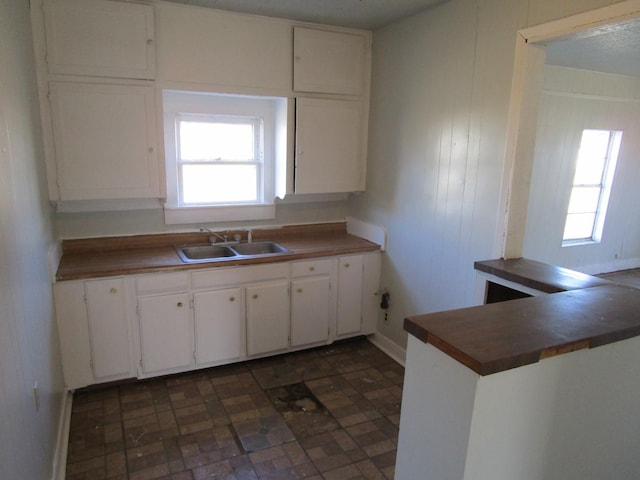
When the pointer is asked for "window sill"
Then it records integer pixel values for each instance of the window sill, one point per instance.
(227, 213)
(575, 243)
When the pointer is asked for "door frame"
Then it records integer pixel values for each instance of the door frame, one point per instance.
(526, 88)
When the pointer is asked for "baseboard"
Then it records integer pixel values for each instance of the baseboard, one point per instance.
(62, 441)
(609, 267)
(389, 347)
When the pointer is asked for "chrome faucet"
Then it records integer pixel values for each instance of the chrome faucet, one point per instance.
(214, 236)
(249, 235)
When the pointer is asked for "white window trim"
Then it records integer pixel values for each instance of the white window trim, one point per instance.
(615, 140)
(184, 102)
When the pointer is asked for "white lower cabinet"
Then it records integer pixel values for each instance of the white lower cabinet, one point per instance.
(219, 325)
(188, 320)
(108, 329)
(312, 305)
(350, 275)
(267, 317)
(166, 332)
(93, 327)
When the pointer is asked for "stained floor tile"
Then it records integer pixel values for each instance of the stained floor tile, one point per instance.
(321, 414)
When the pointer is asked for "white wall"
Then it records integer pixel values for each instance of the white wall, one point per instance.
(131, 222)
(441, 84)
(29, 349)
(573, 417)
(574, 100)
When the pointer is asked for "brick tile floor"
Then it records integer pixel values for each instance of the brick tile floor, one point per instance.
(330, 413)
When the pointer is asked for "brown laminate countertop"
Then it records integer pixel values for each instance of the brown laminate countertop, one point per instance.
(112, 256)
(539, 276)
(500, 336)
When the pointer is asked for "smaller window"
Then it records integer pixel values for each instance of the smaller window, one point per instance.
(225, 156)
(219, 159)
(595, 166)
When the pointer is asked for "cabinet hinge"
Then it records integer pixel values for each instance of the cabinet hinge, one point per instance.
(84, 298)
(289, 340)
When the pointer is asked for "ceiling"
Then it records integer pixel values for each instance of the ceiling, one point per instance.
(367, 14)
(610, 49)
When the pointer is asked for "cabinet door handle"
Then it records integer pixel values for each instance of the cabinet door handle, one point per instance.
(232, 299)
(179, 304)
(113, 290)
(255, 295)
(299, 290)
(312, 268)
(346, 265)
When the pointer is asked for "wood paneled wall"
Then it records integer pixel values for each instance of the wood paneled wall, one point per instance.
(441, 86)
(29, 351)
(574, 100)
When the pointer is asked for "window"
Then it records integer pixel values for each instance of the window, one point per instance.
(221, 155)
(219, 159)
(592, 182)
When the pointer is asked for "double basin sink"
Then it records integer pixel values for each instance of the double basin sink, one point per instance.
(212, 252)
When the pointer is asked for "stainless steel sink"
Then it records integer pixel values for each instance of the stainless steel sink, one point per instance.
(258, 248)
(203, 253)
(210, 253)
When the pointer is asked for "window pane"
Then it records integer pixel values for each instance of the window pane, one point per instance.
(592, 155)
(579, 225)
(219, 183)
(584, 200)
(211, 141)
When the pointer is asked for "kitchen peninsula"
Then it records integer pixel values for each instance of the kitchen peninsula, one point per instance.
(517, 389)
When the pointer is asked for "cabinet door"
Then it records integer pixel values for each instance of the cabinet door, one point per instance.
(329, 146)
(73, 332)
(310, 310)
(166, 332)
(214, 47)
(219, 325)
(349, 295)
(108, 329)
(267, 317)
(108, 39)
(105, 141)
(328, 62)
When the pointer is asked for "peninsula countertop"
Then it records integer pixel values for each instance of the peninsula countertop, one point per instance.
(586, 312)
(112, 256)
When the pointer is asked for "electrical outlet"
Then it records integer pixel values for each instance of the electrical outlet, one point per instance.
(36, 396)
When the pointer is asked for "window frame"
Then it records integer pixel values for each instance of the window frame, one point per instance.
(197, 103)
(604, 186)
(258, 159)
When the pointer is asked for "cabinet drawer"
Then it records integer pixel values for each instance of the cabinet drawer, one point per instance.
(312, 267)
(162, 283)
(225, 277)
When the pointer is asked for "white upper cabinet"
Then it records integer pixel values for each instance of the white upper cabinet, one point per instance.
(329, 61)
(205, 46)
(329, 154)
(105, 141)
(98, 38)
